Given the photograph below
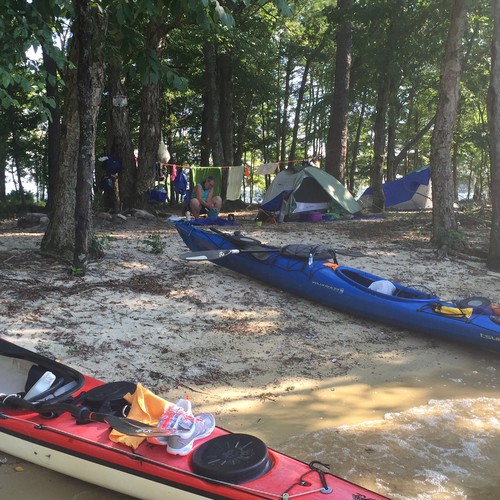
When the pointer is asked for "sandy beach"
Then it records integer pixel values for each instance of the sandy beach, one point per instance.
(313, 382)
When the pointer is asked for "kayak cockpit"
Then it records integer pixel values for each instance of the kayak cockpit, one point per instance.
(33, 377)
(378, 285)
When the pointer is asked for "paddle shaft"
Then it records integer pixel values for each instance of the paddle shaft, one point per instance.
(221, 253)
(124, 425)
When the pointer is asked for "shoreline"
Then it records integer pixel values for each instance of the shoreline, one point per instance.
(263, 361)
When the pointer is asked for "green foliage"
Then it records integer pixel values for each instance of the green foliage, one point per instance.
(452, 238)
(400, 38)
(77, 272)
(100, 243)
(155, 243)
(13, 204)
(27, 26)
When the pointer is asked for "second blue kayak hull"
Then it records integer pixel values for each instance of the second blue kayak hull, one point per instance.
(346, 289)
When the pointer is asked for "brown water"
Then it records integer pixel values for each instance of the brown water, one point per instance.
(409, 430)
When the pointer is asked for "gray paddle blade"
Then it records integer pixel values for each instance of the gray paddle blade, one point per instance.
(350, 253)
(207, 254)
(132, 427)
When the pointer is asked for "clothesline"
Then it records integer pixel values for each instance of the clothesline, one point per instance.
(277, 163)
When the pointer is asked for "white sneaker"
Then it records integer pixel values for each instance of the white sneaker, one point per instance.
(178, 419)
(203, 427)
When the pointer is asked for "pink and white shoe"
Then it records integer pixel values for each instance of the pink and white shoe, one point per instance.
(178, 419)
(204, 424)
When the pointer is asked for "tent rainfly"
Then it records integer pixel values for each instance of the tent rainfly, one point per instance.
(308, 190)
(411, 192)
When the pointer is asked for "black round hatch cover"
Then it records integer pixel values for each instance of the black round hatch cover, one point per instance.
(475, 302)
(232, 458)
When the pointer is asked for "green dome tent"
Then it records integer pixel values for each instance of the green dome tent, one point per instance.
(308, 190)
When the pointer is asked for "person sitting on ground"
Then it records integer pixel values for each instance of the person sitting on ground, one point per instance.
(203, 198)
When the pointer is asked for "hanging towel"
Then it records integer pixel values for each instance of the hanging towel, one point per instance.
(234, 182)
(201, 173)
(267, 168)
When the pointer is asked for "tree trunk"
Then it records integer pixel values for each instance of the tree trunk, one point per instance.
(226, 124)
(298, 110)
(54, 127)
(213, 103)
(412, 143)
(205, 137)
(225, 79)
(59, 238)
(4, 135)
(241, 131)
(283, 123)
(150, 130)
(377, 171)
(444, 231)
(91, 32)
(149, 140)
(493, 261)
(119, 142)
(336, 145)
(355, 146)
(394, 112)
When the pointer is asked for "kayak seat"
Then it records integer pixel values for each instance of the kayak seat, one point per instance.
(35, 374)
(21, 371)
(259, 254)
(358, 278)
(237, 239)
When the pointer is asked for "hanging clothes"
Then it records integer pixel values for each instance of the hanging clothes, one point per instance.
(234, 182)
(201, 173)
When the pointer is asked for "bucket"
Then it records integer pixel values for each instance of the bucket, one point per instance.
(212, 214)
(157, 195)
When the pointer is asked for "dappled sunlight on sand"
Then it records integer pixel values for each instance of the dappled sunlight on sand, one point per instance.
(317, 383)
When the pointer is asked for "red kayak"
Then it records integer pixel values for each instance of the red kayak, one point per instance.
(63, 422)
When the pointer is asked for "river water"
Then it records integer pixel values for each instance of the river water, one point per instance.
(410, 427)
(443, 450)
(438, 435)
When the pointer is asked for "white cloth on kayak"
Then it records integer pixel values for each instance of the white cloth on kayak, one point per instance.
(383, 286)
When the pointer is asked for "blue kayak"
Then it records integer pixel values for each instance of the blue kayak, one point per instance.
(312, 272)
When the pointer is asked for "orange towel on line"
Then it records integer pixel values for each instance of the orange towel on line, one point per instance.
(145, 407)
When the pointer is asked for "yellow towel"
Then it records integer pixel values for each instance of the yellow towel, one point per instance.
(145, 407)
